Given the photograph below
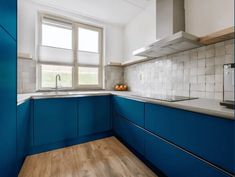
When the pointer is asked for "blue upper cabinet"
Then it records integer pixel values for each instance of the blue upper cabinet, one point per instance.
(208, 137)
(8, 10)
(54, 120)
(94, 115)
(174, 162)
(8, 105)
(24, 132)
(129, 109)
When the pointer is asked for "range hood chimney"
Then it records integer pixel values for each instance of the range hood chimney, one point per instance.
(170, 35)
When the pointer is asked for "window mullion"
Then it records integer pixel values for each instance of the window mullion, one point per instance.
(75, 49)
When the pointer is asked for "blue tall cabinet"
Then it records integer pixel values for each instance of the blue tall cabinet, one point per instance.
(8, 11)
(8, 58)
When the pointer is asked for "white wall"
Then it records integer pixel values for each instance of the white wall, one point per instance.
(27, 18)
(206, 16)
(140, 31)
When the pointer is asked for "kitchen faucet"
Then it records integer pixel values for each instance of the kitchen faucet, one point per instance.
(57, 77)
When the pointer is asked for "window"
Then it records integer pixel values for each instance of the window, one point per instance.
(49, 73)
(70, 49)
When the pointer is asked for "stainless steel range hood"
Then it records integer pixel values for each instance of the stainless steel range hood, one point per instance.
(175, 43)
(170, 27)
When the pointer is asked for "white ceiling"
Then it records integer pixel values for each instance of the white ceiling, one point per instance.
(118, 12)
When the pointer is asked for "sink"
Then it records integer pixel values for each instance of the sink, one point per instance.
(54, 93)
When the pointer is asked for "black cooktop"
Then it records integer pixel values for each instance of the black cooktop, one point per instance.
(168, 98)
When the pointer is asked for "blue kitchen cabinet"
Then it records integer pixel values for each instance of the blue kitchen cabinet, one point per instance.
(55, 120)
(130, 109)
(24, 132)
(132, 134)
(208, 137)
(8, 10)
(8, 105)
(174, 162)
(94, 115)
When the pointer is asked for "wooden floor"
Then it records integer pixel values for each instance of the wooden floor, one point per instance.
(102, 158)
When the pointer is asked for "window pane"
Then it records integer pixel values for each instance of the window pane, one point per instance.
(88, 76)
(88, 40)
(49, 72)
(88, 58)
(56, 37)
(57, 55)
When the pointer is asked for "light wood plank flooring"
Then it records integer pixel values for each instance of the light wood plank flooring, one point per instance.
(101, 158)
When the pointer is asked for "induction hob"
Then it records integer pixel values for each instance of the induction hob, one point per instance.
(168, 98)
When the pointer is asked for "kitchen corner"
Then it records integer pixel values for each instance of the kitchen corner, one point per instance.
(120, 88)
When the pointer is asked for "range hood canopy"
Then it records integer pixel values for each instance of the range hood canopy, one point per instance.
(175, 43)
(170, 27)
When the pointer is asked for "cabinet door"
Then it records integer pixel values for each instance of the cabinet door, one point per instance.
(8, 10)
(130, 133)
(130, 109)
(8, 105)
(206, 136)
(174, 162)
(23, 131)
(54, 120)
(94, 115)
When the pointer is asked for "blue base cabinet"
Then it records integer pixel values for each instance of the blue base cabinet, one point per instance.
(177, 142)
(208, 137)
(130, 109)
(8, 78)
(131, 134)
(94, 115)
(54, 120)
(174, 162)
(24, 132)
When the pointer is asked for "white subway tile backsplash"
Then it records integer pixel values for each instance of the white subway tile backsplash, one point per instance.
(201, 62)
(210, 70)
(220, 50)
(202, 67)
(210, 78)
(229, 49)
(201, 71)
(218, 95)
(229, 58)
(210, 95)
(220, 60)
(219, 78)
(201, 79)
(219, 87)
(219, 69)
(210, 53)
(201, 52)
(210, 87)
(210, 61)
(219, 44)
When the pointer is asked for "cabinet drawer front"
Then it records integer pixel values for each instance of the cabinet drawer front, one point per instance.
(54, 120)
(206, 136)
(174, 162)
(130, 109)
(130, 133)
(94, 115)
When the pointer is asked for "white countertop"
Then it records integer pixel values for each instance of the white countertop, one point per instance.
(201, 105)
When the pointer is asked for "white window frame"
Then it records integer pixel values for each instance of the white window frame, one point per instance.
(75, 79)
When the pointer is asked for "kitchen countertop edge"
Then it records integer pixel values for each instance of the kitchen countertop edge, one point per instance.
(184, 105)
